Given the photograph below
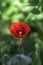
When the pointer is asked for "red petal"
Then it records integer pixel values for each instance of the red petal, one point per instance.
(16, 26)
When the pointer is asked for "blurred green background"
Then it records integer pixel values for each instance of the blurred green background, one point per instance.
(31, 12)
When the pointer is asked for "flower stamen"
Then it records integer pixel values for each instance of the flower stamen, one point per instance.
(20, 32)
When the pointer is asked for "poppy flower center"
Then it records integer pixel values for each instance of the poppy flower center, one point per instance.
(21, 31)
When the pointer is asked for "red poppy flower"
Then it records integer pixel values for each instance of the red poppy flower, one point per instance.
(19, 29)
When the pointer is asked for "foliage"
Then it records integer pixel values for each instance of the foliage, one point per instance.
(31, 12)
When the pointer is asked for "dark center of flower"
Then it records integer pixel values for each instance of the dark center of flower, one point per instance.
(21, 31)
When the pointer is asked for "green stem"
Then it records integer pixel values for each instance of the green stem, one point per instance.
(19, 50)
